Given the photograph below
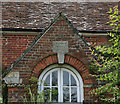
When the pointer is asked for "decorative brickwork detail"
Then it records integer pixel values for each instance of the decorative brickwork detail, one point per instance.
(70, 60)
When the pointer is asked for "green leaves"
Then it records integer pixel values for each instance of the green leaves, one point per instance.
(110, 10)
(114, 18)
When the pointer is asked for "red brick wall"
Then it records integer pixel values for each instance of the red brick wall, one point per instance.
(13, 46)
(15, 93)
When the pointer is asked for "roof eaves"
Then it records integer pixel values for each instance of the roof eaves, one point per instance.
(21, 29)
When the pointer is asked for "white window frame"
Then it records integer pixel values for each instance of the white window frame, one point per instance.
(73, 71)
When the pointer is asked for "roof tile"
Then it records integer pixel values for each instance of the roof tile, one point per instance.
(38, 15)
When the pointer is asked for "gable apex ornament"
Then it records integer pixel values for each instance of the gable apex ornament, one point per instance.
(60, 47)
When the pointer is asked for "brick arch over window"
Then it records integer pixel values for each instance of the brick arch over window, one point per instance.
(70, 60)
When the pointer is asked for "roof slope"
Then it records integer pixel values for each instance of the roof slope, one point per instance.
(38, 15)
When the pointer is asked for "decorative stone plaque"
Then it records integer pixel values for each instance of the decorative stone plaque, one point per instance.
(60, 47)
(13, 77)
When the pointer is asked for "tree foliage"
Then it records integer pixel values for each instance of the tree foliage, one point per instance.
(106, 64)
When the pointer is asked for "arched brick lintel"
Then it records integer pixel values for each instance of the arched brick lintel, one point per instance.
(70, 60)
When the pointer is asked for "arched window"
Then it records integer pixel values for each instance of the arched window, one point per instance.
(65, 81)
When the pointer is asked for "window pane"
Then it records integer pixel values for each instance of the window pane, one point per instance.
(73, 94)
(73, 81)
(54, 94)
(47, 81)
(55, 78)
(47, 94)
(65, 78)
(66, 94)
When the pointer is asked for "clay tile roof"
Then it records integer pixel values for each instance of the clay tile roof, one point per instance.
(38, 15)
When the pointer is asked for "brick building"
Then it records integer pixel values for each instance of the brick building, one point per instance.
(51, 41)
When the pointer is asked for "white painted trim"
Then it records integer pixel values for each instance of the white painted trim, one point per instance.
(94, 34)
(20, 33)
(59, 87)
(72, 70)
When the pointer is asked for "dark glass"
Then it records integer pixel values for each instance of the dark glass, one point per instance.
(73, 94)
(65, 78)
(47, 81)
(54, 94)
(73, 81)
(55, 78)
(66, 94)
